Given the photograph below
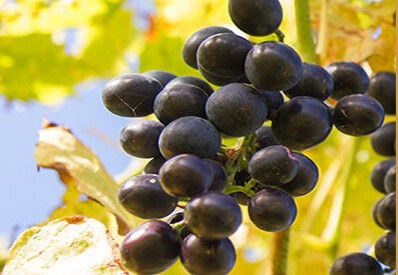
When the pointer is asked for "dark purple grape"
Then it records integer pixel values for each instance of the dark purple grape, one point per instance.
(189, 135)
(264, 137)
(143, 197)
(185, 176)
(179, 100)
(348, 78)
(240, 179)
(153, 166)
(236, 109)
(217, 79)
(315, 82)
(272, 210)
(162, 76)
(191, 45)
(193, 81)
(390, 180)
(383, 140)
(382, 88)
(385, 249)
(358, 115)
(213, 215)
(386, 211)
(273, 101)
(273, 66)
(375, 210)
(256, 17)
(378, 173)
(306, 178)
(223, 55)
(219, 175)
(140, 138)
(131, 95)
(200, 256)
(273, 165)
(301, 123)
(150, 248)
(355, 264)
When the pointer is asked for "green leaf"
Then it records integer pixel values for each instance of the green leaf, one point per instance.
(72, 245)
(58, 149)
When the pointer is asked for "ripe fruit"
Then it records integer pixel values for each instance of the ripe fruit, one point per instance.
(272, 210)
(153, 166)
(355, 264)
(386, 211)
(179, 100)
(150, 248)
(385, 249)
(358, 115)
(190, 135)
(273, 165)
(196, 81)
(315, 82)
(212, 215)
(256, 17)
(143, 197)
(219, 175)
(390, 180)
(140, 138)
(378, 173)
(383, 140)
(236, 109)
(185, 176)
(131, 95)
(273, 66)
(382, 88)
(348, 78)
(200, 256)
(265, 137)
(162, 76)
(301, 123)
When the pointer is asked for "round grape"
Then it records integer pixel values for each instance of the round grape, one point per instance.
(390, 180)
(379, 172)
(383, 140)
(219, 175)
(386, 211)
(355, 264)
(162, 76)
(153, 166)
(385, 249)
(196, 81)
(382, 87)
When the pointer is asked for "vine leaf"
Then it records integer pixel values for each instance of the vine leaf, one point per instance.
(71, 245)
(77, 165)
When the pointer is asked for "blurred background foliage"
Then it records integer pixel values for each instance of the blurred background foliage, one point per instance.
(49, 46)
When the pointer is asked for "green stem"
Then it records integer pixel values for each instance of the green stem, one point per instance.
(304, 36)
(280, 35)
(277, 263)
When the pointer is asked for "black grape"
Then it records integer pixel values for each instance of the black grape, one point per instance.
(154, 238)
(264, 137)
(162, 76)
(217, 79)
(355, 264)
(196, 81)
(219, 175)
(272, 210)
(191, 135)
(315, 82)
(273, 165)
(240, 179)
(193, 42)
(385, 249)
(390, 180)
(143, 197)
(306, 178)
(273, 66)
(200, 256)
(273, 101)
(379, 172)
(256, 17)
(382, 88)
(301, 123)
(223, 55)
(153, 166)
(140, 138)
(212, 215)
(375, 210)
(383, 140)
(358, 115)
(179, 100)
(386, 211)
(131, 95)
(236, 109)
(348, 78)
(185, 175)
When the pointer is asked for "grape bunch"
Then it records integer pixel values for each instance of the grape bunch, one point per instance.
(193, 181)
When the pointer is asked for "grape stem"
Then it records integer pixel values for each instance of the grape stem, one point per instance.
(304, 33)
(280, 35)
(277, 262)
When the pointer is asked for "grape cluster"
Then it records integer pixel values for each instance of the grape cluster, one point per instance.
(191, 169)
